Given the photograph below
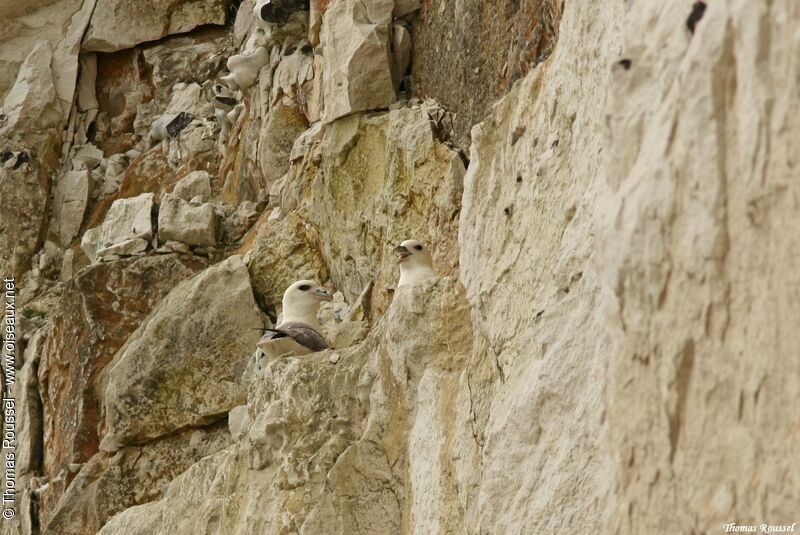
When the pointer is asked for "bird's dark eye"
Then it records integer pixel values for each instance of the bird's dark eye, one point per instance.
(304, 287)
(418, 247)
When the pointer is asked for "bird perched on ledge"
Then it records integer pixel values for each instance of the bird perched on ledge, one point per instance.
(298, 332)
(415, 262)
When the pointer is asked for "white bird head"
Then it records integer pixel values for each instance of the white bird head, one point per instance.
(301, 302)
(413, 252)
(415, 262)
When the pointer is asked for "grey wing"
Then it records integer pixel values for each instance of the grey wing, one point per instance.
(272, 334)
(304, 335)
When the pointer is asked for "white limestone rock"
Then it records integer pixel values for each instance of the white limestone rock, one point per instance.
(128, 219)
(132, 247)
(238, 421)
(32, 102)
(116, 166)
(67, 266)
(401, 51)
(196, 183)
(91, 242)
(180, 221)
(189, 97)
(87, 157)
(120, 24)
(126, 230)
(357, 59)
(70, 200)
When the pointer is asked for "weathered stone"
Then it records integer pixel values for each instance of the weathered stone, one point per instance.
(195, 57)
(404, 7)
(32, 102)
(357, 59)
(130, 247)
(401, 51)
(195, 139)
(91, 242)
(128, 219)
(118, 24)
(180, 221)
(196, 183)
(114, 298)
(468, 54)
(190, 98)
(23, 194)
(28, 408)
(87, 157)
(282, 125)
(108, 484)
(237, 421)
(70, 200)
(28, 24)
(30, 122)
(291, 81)
(157, 386)
(49, 260)
(123, 87)
(115, 172)
(67, 266)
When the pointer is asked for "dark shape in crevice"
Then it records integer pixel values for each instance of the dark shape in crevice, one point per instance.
(5, 156)
(279, 11)
(22, 158)
(626, 63)
(228, 101)
(180, 122)
(698, 10)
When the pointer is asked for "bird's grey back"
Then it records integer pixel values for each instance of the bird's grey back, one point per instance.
(302, 334)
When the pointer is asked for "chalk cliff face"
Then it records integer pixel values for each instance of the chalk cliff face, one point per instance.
(609, 192)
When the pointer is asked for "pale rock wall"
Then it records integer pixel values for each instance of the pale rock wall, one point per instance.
(701, 233)
(611, 346)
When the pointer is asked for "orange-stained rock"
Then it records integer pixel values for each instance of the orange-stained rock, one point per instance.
(108, 484)
(98, 310)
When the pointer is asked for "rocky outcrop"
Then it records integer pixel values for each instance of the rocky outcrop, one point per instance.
(110, 483)
(155, 387)
(701, 200)
(127, 229)
(467, 55)
(335, 461)
(118, 24)
(69, 205)
(282, 252)
(29, 131)
(357, 66)
(607, 193)
(191, 224)
(113, 299)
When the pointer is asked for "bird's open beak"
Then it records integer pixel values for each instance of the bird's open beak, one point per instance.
(322, 295)
(402, 252)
